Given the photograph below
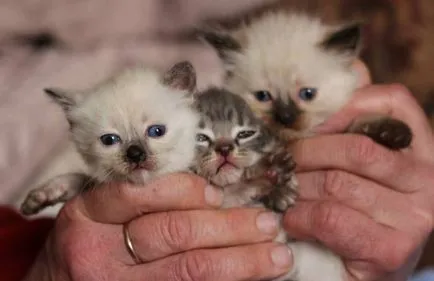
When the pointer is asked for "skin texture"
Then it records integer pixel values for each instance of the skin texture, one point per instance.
(368, 204)
(87, 242)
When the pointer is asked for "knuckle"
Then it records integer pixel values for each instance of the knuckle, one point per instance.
(400, 92)
(70, 215)
(177, 231)
(333, 182)
(397, 254)
(325, 218)
(195, 266)
(423, 219)
(364, 153)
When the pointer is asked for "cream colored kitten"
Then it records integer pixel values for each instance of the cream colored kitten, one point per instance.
(295, 72)
(123, 131)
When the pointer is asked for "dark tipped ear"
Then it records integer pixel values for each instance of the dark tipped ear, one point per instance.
(346, 40)
(67, 100)
(223, 42)
(181, 76)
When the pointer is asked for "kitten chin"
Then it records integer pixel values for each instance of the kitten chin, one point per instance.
(227, 176)
(133, 127)
(296, 71)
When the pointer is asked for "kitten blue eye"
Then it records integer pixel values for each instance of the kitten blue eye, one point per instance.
(156, 131)
(263, 96)
(245, 134)
(307, 94)
(202, 138)
(110, 139)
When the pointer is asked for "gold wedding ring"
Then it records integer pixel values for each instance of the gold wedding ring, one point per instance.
(129, 245)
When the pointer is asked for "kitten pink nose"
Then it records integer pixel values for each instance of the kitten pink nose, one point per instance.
(224, 149)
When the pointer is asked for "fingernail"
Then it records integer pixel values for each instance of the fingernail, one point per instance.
(267, 222)
(281, 256)
(213, 196)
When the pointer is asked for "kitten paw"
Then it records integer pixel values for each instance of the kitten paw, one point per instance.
(281, 198)
(391, 133)
(42, 197)
(280, 163)
(281, 173)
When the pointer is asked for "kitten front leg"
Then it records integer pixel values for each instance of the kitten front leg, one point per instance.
(58, 189)
(281, 173)
(389, 132)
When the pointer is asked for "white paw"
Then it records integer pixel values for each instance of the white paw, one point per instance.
(42, 197)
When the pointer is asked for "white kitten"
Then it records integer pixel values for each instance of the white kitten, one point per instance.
(133, 127)
(295, 72)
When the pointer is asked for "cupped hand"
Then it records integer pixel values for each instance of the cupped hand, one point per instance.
(176, 230)
(372, 206)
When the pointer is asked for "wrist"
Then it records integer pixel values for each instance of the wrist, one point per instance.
(40, 269)
(45, 267)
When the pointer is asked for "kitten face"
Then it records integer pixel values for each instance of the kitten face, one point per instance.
(123, 128)
(229, 137)
(292, 70)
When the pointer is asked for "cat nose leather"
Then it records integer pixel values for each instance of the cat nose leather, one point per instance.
(136, 154)
(224, 149)
(285, 118)
(285, 114)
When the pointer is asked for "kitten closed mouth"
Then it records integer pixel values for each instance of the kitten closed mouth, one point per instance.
(224, 164)
(142, 166)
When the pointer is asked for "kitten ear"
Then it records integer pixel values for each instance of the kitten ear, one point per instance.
(66, 99)
(346, 40)
(224, 43)
(181, 76)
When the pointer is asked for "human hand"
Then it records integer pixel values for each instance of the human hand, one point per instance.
(370, 205)
(175, 230)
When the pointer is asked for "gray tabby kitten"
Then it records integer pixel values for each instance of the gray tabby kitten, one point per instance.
(122, 130)
(295, 72)
(238, 153)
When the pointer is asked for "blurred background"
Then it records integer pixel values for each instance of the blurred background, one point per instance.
(73, 44)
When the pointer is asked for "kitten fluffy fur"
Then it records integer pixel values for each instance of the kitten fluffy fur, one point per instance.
(123, 131)
(295, 72)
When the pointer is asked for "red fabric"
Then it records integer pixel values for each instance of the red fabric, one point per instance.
(20, 242)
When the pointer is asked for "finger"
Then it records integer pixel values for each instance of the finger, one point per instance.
(163, 234)
(256, 262)
(361, 156)
(392, 100)
(119, 203)
(364, 77)
(349, 233)
(383, 205)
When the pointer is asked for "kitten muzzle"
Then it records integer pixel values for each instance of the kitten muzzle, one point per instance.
(285, 114)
